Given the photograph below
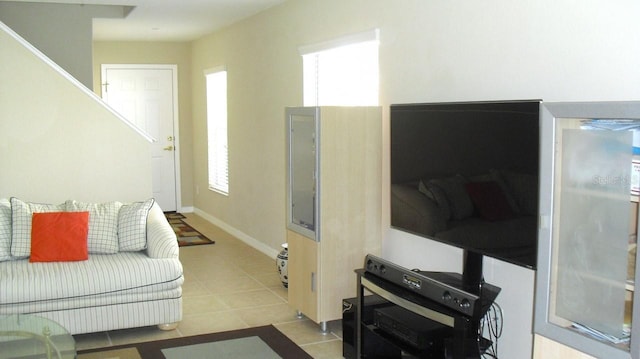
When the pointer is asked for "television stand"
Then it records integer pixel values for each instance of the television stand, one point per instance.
(415, 318)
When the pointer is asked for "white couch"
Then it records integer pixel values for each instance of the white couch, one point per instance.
(132, 277)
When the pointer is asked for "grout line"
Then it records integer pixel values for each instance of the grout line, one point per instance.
(336, 338)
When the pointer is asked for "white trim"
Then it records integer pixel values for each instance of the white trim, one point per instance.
(273, 253)
(187, 209)
(214, 69)
(176, 113)
(73, 80)
(370, 35)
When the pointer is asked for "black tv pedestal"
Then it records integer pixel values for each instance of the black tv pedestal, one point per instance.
(409, 325)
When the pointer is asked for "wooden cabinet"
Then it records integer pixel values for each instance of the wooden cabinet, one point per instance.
(585, 291)
(334, 187)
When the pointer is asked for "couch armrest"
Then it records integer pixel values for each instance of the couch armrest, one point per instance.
(412, 210)
(161, 239)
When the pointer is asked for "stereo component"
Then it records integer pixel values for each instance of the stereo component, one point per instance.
(442, 287)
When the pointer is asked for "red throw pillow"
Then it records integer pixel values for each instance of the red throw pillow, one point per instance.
(59, 236)
(489, 200)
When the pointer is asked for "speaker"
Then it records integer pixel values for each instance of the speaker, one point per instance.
(374, 345)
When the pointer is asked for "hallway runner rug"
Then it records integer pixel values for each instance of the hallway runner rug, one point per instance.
(264, 342)
(187, 236)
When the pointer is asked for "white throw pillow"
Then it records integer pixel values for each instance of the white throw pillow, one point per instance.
(21, 214)
(5, 229)
(132, 225)
(103, 225)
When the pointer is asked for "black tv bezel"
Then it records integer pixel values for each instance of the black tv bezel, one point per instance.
(472, 257)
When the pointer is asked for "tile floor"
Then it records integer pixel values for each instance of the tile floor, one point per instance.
(229, 285)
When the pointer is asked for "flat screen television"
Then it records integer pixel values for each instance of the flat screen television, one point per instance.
(466, 174)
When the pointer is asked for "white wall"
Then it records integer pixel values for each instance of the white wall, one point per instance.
(436, 50)
(58, 141)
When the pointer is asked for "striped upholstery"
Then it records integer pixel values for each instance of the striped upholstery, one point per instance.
(109, 291)
(101, 275)
(118, 316)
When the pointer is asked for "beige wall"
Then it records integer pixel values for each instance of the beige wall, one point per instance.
(58, 141)
(175, 53)
(429, 51)
(60, 31)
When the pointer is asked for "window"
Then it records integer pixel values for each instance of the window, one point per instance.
(216, 82)
(342, 72)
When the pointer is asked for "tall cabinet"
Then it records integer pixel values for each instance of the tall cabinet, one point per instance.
(585, 292)
(334, 204)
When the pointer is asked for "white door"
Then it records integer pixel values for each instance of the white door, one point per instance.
(146, 96)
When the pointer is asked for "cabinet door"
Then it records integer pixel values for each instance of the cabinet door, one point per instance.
(592, 232)
(302, 171)
(303, 274)
(586, 263)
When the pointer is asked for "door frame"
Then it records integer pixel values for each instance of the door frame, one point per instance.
(176, 118)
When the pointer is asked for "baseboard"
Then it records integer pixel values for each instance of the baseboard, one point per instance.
(186, 209)
(238, 234)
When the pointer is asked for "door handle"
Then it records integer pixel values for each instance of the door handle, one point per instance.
(168, 148)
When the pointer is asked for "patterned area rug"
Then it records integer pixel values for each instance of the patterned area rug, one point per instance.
(187, 236)
(252, 343)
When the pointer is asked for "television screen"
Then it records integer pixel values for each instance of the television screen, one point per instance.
(466, 174)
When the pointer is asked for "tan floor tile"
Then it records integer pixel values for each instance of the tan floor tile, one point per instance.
(127, 353)
(209, 272)
(195, 324)
(239, 283)
(265, 315)
(304, 332)
(192, 287)
(258, 268)
(202, 304)
(325, 350)
(92, 340)
(281, 292)
(269, 280)
(138, 335)
(250, 299)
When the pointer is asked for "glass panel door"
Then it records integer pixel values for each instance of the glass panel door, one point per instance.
(592, 206)
(302, 162)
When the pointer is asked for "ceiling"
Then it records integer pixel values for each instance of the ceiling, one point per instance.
(169, 20)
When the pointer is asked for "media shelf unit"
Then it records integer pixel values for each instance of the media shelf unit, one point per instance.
(416, 326)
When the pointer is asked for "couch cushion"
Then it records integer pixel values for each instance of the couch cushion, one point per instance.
(132, 225)
(5, 229)
(59, 236)
(103, 224)
(36, 287)
(21, 213)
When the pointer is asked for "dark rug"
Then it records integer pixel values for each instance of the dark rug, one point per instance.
(232, 344)
(187, 236)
